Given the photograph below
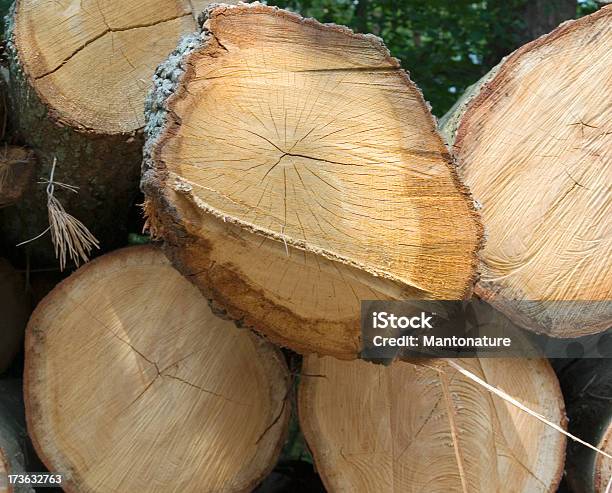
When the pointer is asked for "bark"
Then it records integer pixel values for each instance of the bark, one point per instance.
(183, 399)
(16, 172)
(423, 427)
(77, 96)
(542, 16)
(15, 309)
(537, 165)
(293, 220)
(105, 168)
(13, 436)
(587, 388)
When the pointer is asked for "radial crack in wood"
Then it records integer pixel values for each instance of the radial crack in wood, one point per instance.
(387, 429)
(91, 61)
(533, 143)
(133, 384)
(294, 169)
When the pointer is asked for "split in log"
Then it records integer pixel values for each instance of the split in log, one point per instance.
(384, 429)
(16, 173)
(13, 437)
(293, 170)
(533, 143)
(14, 312)
(95, 76)
(133, 384)
(587, 388)
(77, 94)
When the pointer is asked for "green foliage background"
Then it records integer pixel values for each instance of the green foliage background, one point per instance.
(446, 45)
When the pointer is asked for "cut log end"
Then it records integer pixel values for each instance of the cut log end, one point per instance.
(16, 173)
(95, 75)
(133, 384)
(533, 144)
(407, 428)
(306, 147)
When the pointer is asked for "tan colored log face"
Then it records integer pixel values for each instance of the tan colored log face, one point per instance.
(386, 429)
(322, 152)
(91, 61)
(534, 147)
(132, 384)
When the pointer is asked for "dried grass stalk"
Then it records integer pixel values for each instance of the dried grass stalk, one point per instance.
(70, 237)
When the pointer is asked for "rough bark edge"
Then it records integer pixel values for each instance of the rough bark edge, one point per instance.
(454, 131)
(305, 393)
(170, 81)
(449, 123)
(36, 339)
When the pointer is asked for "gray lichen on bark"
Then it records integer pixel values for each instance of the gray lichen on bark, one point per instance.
(166, 80)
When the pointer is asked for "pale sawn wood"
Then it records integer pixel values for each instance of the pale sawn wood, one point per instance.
(294, 170)
(532, 141)
(91, 62)
(383, 429)
(133, 384)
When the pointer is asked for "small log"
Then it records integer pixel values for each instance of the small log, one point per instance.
(16, 173)
(376, 428)
(76, 95)
(13, 436)
(532, 140)
(133, 384)
(14, 312)
(587, 388)
(293, 169)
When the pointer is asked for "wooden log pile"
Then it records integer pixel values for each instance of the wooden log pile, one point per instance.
(291, 170)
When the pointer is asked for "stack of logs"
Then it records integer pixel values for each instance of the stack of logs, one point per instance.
(290, 170)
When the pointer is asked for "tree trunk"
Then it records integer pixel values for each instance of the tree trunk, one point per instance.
(406, 428)
(133, 384)
(542, 16)
(16, 171)
(13, 437)
(77, 95)
(587, 388)
(531, 139)
(293, 170)
(14, 312)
